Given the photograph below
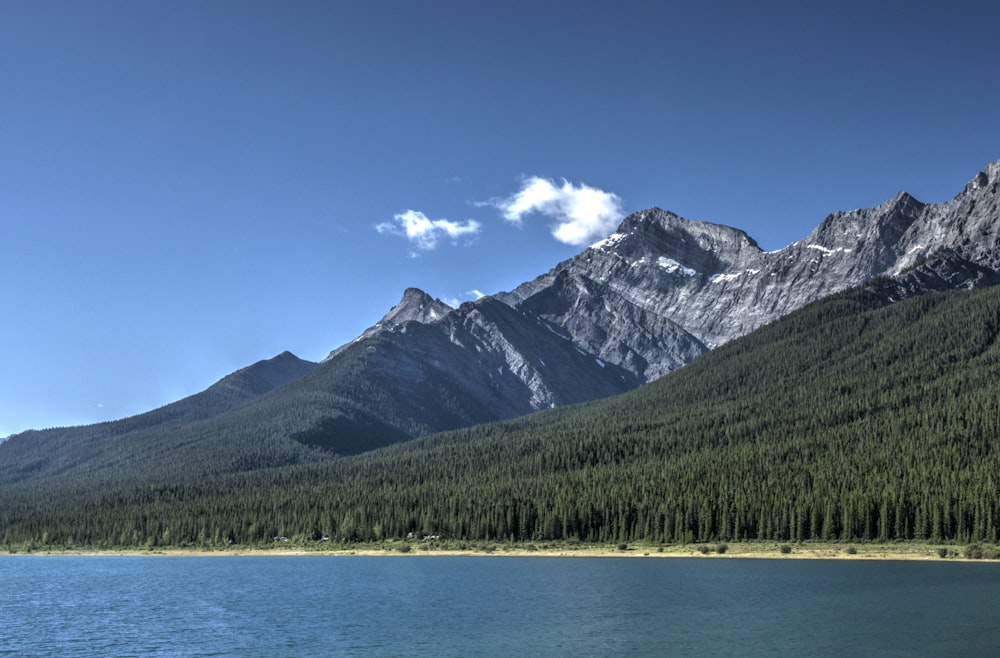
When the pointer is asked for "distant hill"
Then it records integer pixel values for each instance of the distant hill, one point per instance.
(174, 439)
(853, 419)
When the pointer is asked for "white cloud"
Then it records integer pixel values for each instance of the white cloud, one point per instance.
(424, 233)
(582, 213)
(473, 295)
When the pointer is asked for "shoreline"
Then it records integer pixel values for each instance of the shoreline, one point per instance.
(737, 550)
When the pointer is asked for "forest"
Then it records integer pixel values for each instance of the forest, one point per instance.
(850, 420)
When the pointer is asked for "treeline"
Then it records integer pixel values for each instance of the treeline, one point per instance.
(849, 420)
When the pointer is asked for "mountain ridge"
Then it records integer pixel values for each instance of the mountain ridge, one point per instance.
(651, 297)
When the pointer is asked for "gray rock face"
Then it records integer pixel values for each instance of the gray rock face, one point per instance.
(661, 287)
(662, 290)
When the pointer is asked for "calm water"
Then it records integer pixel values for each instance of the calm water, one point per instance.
(493, 606)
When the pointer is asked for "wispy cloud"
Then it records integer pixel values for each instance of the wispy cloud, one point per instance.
(468, 295)
(423, 233)
(582, 213)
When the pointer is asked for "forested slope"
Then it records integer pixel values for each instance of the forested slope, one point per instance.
(848, 420)
(179, 440)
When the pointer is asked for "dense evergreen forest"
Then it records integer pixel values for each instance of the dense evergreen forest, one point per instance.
(850, 420)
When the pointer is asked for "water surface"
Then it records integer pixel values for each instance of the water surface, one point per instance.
(486, 606)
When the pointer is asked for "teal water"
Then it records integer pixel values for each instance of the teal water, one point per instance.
(494, 606)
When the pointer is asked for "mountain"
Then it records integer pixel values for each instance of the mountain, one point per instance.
(852, 419)
(153, 441)
(659, 292)
(707, 284)
(653, 296)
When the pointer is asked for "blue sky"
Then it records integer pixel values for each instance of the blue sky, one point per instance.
(189, 187)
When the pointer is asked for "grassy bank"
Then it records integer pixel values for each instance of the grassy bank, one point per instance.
(773, 550)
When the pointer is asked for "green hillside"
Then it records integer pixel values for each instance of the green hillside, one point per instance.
(197, 436)
(848, 420)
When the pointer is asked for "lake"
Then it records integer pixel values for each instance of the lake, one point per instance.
(494, 606)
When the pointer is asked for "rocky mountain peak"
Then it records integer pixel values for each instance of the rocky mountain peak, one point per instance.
(990, 176)
(673, 245)
(660, 228)
(865, 229)
(902, 205)
(416, 306)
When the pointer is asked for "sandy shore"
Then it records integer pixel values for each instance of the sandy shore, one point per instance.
(753, 550)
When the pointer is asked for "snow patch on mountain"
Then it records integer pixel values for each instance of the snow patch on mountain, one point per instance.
(827, 250)
(672, 266)
(609, 242)
(722, 278)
